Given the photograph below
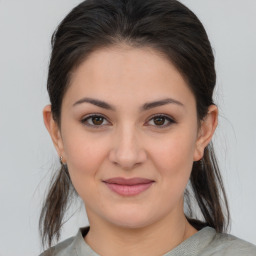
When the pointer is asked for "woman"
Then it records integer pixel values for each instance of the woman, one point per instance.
(132, 117)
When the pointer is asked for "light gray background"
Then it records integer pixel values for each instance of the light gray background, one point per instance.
(26, 152)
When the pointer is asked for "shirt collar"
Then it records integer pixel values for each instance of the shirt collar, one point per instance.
(189, 247)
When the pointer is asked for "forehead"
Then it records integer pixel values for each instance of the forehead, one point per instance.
(124, 72)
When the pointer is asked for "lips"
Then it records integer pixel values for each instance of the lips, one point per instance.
(128, 187)
(132, 181)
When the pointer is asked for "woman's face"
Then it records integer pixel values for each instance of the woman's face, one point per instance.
(128, 113)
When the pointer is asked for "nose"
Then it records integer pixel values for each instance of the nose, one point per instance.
(126, 151)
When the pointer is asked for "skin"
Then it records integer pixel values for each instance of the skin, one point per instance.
(131, 143)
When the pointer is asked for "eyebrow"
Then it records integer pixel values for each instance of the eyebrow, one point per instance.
(144, 107)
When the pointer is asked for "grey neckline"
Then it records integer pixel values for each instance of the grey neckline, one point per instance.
(189, 247)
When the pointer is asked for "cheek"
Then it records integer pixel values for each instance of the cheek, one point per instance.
(84, 157)
(175, 150)
(173, 158)
(80, 156)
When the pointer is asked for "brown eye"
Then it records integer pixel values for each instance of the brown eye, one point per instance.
(162, 121)
(96, 121)
(159, 120)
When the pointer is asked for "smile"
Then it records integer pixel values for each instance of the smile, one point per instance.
(128, 187)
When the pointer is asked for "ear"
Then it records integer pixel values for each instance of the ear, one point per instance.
(54, 130)
(206, 131)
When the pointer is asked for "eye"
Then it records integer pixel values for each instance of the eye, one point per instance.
(162, 121)
(96, 121)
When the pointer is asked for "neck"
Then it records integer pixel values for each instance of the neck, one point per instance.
(155, 239)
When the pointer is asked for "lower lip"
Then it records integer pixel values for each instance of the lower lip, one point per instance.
(128, 190)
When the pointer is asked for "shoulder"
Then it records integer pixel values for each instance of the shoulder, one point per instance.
(69, 246)
(227, 244)
(63, 248)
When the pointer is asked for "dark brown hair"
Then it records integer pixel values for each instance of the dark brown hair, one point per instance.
(175, 31)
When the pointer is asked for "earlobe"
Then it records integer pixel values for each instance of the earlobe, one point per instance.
(206, 131)
(53, 129)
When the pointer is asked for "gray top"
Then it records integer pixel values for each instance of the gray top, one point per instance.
(206, 242)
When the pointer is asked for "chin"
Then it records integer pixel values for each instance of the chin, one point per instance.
(131, 221)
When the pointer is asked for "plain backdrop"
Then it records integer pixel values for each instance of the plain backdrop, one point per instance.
(27, 156)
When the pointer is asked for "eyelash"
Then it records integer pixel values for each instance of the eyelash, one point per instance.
(169, 119)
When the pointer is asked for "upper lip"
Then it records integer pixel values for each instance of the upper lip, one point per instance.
(124, 181)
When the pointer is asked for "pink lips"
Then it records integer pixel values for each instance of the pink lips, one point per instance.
(128, 187)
